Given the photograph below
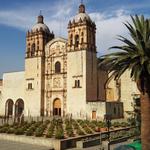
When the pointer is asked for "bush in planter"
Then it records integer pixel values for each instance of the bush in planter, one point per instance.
(76, 126)
(101, 124)
(4, 129)
(30, 132)
(92, 126)
(11, 131)
(39, 132)
(19, 131)
(59, 133)
(25, 128)
(94, 122)
(49, 133)
(70, 132)
(123, 124)
(116, 124)
(50, 130)
(87, 130)
(80, 132)
(69, 126)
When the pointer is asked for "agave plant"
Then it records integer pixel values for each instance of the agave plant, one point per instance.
(134, 55)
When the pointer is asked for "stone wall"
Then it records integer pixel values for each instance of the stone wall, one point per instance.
(13, 88)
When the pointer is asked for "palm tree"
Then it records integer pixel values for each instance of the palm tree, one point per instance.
(134, 55)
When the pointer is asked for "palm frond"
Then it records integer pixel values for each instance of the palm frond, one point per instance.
(134, 54)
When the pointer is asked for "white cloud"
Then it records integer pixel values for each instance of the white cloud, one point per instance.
(109, 24)
(108, 27)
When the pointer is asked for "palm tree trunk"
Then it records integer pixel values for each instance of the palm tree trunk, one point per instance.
(145, 121)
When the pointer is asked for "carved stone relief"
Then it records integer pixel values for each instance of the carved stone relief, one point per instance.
(57, 82)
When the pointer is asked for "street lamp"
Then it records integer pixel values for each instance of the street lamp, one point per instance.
(107, 118)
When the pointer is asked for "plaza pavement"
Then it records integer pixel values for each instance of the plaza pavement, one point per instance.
(9, 145)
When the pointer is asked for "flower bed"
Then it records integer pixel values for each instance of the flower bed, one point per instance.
(60, 128)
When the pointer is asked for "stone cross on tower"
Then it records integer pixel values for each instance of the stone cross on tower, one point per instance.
(40, 13)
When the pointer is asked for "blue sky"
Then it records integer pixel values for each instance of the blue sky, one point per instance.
(18, 16)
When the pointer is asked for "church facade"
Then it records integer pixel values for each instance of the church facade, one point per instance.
(61, 76)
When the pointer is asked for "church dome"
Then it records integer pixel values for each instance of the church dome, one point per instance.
(40, 25)
(82, 15)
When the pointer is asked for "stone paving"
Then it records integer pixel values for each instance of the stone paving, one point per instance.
(9, 145)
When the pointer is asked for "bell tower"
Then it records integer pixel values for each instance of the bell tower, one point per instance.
(82, 62)
(36, 39)
(81, 32)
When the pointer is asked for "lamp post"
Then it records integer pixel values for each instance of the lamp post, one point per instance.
(108, 118)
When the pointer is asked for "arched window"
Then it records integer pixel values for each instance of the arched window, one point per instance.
(71, 40)
(76, 40)
(82, 39)
(115, 111)
(19, 107)
(57, 67)
(9, 107)
(33, 49)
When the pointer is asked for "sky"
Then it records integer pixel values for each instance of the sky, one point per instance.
(18, 16)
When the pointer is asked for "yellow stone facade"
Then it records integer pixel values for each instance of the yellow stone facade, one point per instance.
(61, 76)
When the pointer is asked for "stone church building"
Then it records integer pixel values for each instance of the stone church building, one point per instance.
(62, 78)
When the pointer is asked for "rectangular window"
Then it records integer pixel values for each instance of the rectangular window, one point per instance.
(30, 86)
(77, 84)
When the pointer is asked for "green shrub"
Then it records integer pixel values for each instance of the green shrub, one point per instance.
(94, 122)
(69, 126)
(30, 132)
(87, 130)
(59, 133)
(92, 126)
(123, 124)
(116, 124)
(39, 132)
(70, 132)
(80, 132)
(101, 124)
(19, 131)
(50, 130)
(4, 129)
(49, 133)
(11, 131)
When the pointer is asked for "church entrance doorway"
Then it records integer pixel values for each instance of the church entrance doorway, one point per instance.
(19, 107)
(9, 107)
(57, 107)
(93, 115)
